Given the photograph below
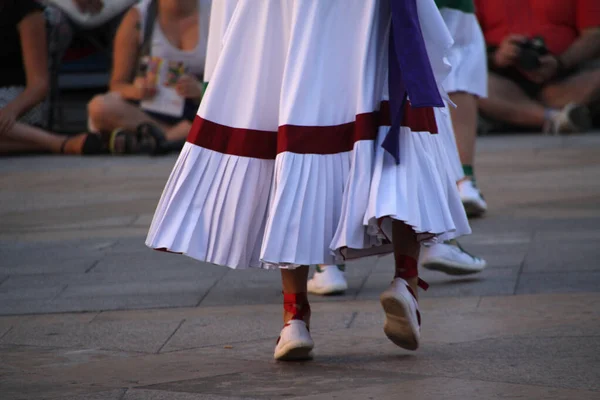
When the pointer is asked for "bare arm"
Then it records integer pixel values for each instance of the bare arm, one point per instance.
(32, 32)
(585, 48)
(126, 49)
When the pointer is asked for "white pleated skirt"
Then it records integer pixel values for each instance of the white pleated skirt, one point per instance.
(468, 55)
(283, 165)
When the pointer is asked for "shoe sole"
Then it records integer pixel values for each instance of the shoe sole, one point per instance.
(398, 327)
(330, 291)
(451, 269)
(473, 209)
(295, 351)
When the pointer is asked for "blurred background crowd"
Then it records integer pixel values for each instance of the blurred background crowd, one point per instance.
(126, 76)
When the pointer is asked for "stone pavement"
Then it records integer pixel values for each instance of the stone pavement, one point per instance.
(89, 313)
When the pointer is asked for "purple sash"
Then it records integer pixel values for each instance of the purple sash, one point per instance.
(410, 73)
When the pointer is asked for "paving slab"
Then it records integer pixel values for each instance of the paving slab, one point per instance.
(558, 282)
(52, 373)
(83, 331)
(562, 255)
(454, 389)
(145, 394)
(281, 381)
(98, 316)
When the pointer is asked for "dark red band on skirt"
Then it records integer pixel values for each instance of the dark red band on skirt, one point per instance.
(420, 119)
(304, 139)
(233, 141)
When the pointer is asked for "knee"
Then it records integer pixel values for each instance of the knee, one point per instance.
(97, 107)
(102, 106)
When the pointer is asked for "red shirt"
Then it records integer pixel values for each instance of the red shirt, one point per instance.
(559, 22)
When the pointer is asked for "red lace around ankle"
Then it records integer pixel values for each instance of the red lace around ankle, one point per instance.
(296, 304)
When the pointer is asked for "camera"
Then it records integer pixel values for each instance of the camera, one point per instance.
(530, 52)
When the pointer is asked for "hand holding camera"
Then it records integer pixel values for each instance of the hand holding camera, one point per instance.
(531, 56)
(509, 50)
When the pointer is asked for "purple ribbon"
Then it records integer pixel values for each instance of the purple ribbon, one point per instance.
(410, 73)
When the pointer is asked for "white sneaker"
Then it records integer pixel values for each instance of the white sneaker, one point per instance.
(327, 280)
(472, 199)
(572, 118)
(294, 343)
(451, 259)
(402, 317)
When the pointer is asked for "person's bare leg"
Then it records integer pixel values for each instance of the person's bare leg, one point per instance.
(294, 282)
(179, 131)
(506, 102)
(399, 301)
(30, 138)
(294, 342)
(109, 111)
(582, 88)
(464, 122)
(9, 146)
(406, 251)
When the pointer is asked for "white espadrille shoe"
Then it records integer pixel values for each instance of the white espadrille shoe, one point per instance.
(327, 280)
(294, 343)
(402, 317)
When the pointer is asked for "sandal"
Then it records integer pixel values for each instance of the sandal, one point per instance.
(151, 139)
(91, 145)
(122, 142)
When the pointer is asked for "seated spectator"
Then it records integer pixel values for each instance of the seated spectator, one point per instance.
(156, 83)
(544, 62)
(24, 85)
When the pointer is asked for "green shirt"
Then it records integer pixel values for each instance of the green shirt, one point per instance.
(465, 6)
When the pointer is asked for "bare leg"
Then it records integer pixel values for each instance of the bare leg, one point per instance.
(464, 122)
(9, 146)
(27, 138)
(294, 281)
(179, 131)
(405, 243)
(109, 111)
(508, 103)
(582, 88)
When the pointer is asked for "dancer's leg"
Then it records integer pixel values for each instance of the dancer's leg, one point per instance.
(406, 254)
(399, 301)
(294, 342)
(294, 283)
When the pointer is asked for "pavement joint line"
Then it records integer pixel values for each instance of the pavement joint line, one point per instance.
(6, 333)
(4, 280)
(122, 396)
(257, 340)
(94, 264)
(171, 335)
(352, 318)
(60, 292)
(215, 283)
(522, 265)
(95, 316)
(479, 302)
(219, 345)
(364, 281)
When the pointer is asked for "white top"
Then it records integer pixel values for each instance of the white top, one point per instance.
(194, 60)
(110, 9)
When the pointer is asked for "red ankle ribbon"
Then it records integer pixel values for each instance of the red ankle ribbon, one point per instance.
(406, 267)
(296, 304)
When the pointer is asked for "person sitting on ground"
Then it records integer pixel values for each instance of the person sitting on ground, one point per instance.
(24, 85)
(157, 41)
(544, 62)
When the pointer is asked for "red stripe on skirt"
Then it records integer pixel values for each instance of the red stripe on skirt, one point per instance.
(304, 139)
